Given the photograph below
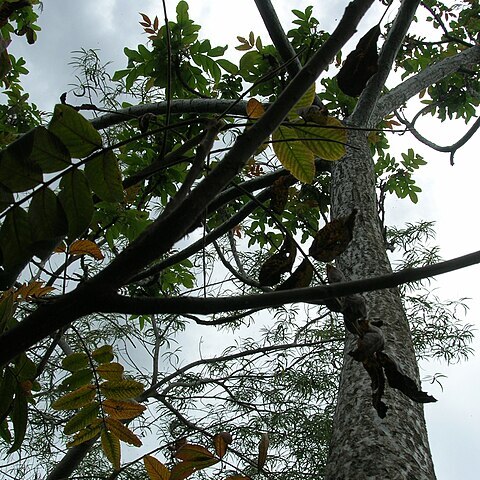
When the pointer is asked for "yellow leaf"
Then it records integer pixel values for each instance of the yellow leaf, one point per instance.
(254, 108)
(110, 371)
(111, 448)
(7, 308)
(76, 399)
(60, 248)
(33, 289)
(122, 432)
(85, 247)
(122, 410)
(327, 143)
(156, 470)
(89, 432)
(121, 389)
(293, 154)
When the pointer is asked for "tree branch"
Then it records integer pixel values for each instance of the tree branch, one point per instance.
(396, 97)
(369, 97)
(277, 34)
(159, 238)
(116, 303)
(195, 105)
(452, 149)
(199, 244)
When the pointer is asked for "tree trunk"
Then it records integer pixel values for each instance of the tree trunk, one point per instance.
(363, 446)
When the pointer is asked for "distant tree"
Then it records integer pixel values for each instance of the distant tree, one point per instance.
(182, 203)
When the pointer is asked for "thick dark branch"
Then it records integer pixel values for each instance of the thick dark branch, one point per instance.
(369, 97)
(232, 222)
(144, 305)
(159, 238)
(72, 459)
(277, 34)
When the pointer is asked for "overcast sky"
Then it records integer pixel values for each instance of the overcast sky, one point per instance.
(450, 194)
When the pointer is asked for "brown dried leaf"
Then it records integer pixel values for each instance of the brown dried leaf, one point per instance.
(193, 453)
(33, 290)
(262, 450)
(156, 470)
(399, 380)
(280, 262)
(300, 278)
(221, 441)
(122, 432)
(360, 65)
(122, 410)
(333, 239)
(254, 109)
(370, 341)
(279, 194)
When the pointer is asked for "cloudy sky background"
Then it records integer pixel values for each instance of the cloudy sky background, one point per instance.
(450, 194)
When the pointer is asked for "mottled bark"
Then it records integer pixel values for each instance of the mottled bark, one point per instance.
(363, 446)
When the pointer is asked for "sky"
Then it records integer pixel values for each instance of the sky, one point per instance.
(449, 196)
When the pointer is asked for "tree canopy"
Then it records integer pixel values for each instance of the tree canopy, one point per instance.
(192, 195)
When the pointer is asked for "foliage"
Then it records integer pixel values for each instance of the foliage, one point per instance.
(17, 115)
(74, 200)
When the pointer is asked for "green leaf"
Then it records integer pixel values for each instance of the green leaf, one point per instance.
(293, 155)
(19, 418)
(103, 354)
(76, 399)
(17, 172)
(77, 203)
(121, 389)
(49, 151)
(89, 432)
(111, 448)
(15, 241)
(228, 66)
(119, 74)
(78, 379)
(327, 143)
(5, 432)
(47, 221)
(25, 369)
(105, 178)
(305, 101)
(75, 361)
(82, 418)
(182, 11)
(7, 387)
(75, 131)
